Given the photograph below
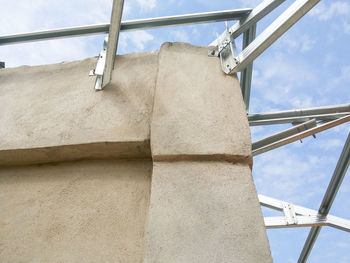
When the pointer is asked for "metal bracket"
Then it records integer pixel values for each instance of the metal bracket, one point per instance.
(98, 71)
(298, 216)
(226, 50)
(289, 213)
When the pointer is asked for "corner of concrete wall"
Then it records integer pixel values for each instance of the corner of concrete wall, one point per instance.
(204, 206)
(173, 112)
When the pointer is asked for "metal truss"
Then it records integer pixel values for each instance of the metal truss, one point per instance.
(306, 122)
(328, 113)
(295, 133)
(332, 190)
(299, 216)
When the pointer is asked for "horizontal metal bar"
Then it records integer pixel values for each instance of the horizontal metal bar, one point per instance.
(337, 178)
(302, 221)
(127, 26)
(307, 221)
(255, 15)
(278, 27)
(284, 134)
(301, 135)
(198, 18)
(339, 223)
(297, 120)
(279, 117)
(55, 33)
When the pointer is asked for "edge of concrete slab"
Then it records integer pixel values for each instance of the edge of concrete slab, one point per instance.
(74, 152)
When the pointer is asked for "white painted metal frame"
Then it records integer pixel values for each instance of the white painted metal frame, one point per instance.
(299, 216)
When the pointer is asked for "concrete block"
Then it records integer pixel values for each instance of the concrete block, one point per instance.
(198, 110)
(205, 212)
(56, 105)
(89, 211)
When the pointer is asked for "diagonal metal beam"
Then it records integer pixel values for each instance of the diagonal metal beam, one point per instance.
(332, 190)
(280, 139)
(255, 15)
(278, 27)
(283, 135)
(326, 113)
(116, 18)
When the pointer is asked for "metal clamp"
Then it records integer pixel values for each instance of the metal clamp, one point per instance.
(98, 71)
(289, 214)
(226, 50)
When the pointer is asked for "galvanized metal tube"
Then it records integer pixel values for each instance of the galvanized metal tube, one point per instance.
(255, 15)
(113, 36)
(246, 75)
(287, 19)
(319, 113)
(127, 26)
(284, 134)
(301, 135)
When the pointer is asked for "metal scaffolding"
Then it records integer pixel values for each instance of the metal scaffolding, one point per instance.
(306, 122)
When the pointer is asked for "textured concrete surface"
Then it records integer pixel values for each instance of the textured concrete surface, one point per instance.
(204, 212)
(198, 110)
(204, 206)
(90, 211)
(56, 105)
(175, 106)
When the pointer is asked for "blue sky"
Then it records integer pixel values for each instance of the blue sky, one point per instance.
(309, 66)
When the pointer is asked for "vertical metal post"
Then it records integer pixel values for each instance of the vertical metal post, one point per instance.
(246, 74)
(114, 29)
(332, 190)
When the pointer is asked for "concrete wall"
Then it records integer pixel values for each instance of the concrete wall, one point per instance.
(155, 168)
(87, 211)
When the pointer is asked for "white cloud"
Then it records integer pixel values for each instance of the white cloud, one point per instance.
(45, 52)
(180, 35)
(127, 8)
(324, 13)
(136, 40)
(27, 16)
(296, 42)
(250, 3)
(147, 5)
(342, 79)
(283, 173)
(346, 27)
(301, 102)
(330, 144)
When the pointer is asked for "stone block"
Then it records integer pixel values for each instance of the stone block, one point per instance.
(198, 110)
(205, 212)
